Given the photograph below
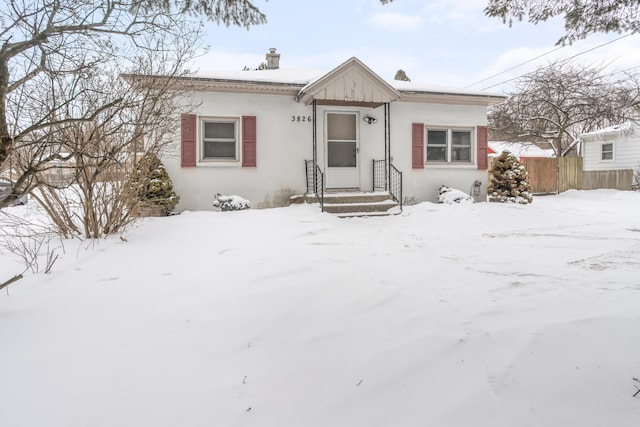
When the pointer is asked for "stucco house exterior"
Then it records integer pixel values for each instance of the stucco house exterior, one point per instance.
(270, 134)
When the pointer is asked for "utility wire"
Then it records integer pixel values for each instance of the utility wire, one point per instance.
(566, 59)
(515, 66)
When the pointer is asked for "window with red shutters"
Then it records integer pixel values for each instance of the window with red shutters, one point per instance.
(249, 139)
(417, 146)
(188, 140)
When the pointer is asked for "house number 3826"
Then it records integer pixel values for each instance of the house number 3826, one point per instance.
(301, 118)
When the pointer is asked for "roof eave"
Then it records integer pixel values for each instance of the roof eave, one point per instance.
(443, 97)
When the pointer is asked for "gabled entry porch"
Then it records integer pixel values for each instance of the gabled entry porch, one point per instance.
(351, 134)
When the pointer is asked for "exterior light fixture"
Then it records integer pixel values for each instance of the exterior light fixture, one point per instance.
(370, 120)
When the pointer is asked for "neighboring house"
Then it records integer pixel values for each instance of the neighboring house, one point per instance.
(258, 134)
(522, 150)
(612, 148)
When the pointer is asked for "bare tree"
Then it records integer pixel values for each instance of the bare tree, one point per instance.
(91, 197)
(556, 103)
(582, 17)
(52, 57)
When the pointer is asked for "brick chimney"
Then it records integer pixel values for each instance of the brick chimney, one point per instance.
(273, 59)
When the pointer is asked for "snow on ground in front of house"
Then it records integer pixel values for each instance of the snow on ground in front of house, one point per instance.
(483, 314)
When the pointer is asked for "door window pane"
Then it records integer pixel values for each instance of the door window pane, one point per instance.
(342, 154)
(341, 127)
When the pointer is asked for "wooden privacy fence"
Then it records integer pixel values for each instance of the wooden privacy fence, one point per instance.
(569, 173)
(543, 175)
(552, 175)
(620, 179)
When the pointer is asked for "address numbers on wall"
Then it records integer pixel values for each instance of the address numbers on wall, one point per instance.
(301, 119)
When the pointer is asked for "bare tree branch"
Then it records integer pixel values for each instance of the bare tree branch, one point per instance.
(58, 60)
(557, 103)
(582, 17)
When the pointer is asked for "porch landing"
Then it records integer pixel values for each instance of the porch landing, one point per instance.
(356, 203)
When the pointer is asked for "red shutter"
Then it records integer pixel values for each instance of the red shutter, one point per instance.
(188, 141)
(482, 140)
(249, 141)
(417, 145)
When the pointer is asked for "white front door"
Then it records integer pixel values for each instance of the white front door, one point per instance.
(342, 150)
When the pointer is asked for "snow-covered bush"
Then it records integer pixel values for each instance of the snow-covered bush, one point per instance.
(450, 196)
(151, 185)
(509, 181)
(230, 203)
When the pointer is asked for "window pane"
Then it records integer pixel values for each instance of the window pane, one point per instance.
(437, 137)
(436, 154)
(461, 138)
(220, 149)
(219, 130)
(341, 126)
(460, 154)
(342, 154)
(607, 156)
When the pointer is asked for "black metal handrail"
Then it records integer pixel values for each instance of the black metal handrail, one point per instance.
(308, 169)
(379, 175)
(315, 181)
(395, 184)
(391, 182)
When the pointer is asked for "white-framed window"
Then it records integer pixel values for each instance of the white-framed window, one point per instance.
(449, 145)
(219, 140)
(606, 151)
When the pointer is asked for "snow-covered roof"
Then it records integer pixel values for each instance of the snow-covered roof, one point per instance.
(611, 129)
(403, 86)
(520, 149)
(297, 76)
(307, 76)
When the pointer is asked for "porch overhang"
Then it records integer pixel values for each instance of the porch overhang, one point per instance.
(350, 84)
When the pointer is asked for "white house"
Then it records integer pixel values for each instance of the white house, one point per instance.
(266, 135)
(612, 148)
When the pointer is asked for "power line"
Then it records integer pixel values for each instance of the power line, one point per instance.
(515, 66)
(566, 59)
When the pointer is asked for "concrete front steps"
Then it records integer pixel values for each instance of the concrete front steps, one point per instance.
(357, 204)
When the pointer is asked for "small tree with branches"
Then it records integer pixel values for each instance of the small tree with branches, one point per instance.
(402, 76)
(509, 181)
(150, 186)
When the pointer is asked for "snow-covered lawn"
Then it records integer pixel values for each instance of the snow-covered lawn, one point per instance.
(447, 315)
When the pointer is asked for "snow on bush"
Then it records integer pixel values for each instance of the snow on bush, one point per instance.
(151, 184)
(451, 196)
(230, 203)
(509, 180)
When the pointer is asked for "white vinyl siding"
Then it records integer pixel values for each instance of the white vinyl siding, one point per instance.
(615, 151)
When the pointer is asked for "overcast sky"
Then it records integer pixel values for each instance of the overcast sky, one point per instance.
(438, 42)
